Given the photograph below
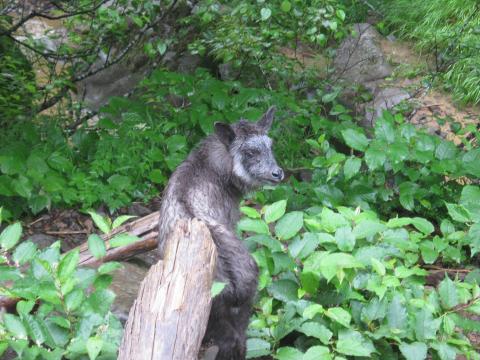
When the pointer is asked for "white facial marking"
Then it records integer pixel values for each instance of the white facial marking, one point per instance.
(259, 140)
(239, 169)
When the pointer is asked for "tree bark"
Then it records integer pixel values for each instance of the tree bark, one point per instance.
(169, 317)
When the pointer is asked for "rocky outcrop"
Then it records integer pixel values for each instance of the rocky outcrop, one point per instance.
(360, 61)
(359, 58)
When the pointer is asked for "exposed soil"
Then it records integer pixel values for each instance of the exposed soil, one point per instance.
(433, 109)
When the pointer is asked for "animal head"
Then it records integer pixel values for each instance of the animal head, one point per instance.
(253, 163)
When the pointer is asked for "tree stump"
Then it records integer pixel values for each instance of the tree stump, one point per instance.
(169, 317)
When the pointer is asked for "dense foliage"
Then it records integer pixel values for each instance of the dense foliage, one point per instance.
(345, 254)
(64, 311)
(341, 282)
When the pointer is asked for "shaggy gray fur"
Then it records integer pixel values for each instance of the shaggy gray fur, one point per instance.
(209, 185)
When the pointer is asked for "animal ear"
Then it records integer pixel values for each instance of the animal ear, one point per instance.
(224, 132)
(266, 121)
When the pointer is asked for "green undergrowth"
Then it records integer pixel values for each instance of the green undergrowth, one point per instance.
(64, 311)
(340, 283)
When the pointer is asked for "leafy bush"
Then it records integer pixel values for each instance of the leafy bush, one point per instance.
(249, 35)
(64, 310)
(340, 282)
(134, 146)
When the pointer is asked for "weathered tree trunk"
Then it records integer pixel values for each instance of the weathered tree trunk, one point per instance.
(169, 317)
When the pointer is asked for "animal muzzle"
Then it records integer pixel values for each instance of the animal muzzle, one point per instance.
(277, 175)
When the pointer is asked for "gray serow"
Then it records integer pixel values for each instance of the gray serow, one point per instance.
(209, 185)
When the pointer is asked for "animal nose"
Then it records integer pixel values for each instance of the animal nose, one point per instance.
(277, 174)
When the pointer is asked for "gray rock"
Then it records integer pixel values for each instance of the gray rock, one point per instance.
(147, 259)
(360, 59)
(125, 284)
(42, 240)
(384, 99)
(391, 38)
(138, 209)
(227, 72)
(188, 63)
(117, 80)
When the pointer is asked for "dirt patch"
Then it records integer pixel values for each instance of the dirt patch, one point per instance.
(308, 59)
(433, 109)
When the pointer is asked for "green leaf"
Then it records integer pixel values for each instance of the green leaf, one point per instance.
(378, 267)
(162, 48)
(257, 348)
(367, 228)
(123, 240)
(339, 315)
(458, 213)
(157, 176)
(289, 225)
(301, 247)
(447, 227)
(425, 325)
(470, 194)
(10, 236)
(310, 311)
(414, 351)
(355, 139)
(253, 225)
(445, 351)
(266, 240)
(396, 314)
(275, 211)
(101, 222)
(217, 288)
(250, 212)
(333, 263)
(345, 238)
(68, 264)
(351, 342)
(108, 267)
(74, 299)
(448, 293)
(35, 330)
(286, 6)
(96, 245)
(121, 219)
(284, 290)
(317, 330)
(61, 321)
(375, 156)
(24, 252)
(351, 167)
(384, 130)
(318, 353)
(24, 307)
(94, 346)
(331, 221)
(446, 150)
(288, 353)
(14, 326)
(265, 13)
(423, 225)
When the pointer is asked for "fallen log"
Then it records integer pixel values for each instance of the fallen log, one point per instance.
(145, 228)
(169, 317)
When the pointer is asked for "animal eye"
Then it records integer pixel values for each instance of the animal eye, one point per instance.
(251, 152)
